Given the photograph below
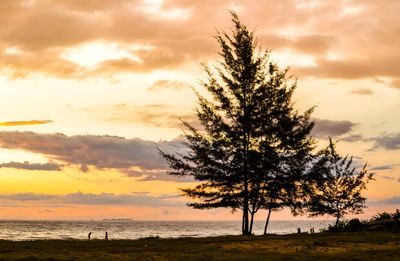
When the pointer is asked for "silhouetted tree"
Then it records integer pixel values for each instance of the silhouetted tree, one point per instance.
(253, 140)
(284, 145)
(338, 190)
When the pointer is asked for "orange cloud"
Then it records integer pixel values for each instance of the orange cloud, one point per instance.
(43, 30)
(367, 67)
(168, 84)
(395, 83)
(150, 115)
(362, 91)
(316, 44)
(21, 123)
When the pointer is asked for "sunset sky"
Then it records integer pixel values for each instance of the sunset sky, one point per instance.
(90, 89)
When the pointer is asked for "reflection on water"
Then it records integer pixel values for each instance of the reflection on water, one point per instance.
(129, 229)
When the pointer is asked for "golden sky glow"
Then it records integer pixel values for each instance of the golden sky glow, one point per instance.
(90, 89)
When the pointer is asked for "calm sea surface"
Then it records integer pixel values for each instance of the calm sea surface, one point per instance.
(129, 229)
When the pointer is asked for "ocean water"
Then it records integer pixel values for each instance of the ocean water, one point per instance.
(129, 229)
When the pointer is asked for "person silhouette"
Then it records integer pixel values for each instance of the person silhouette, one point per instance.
(106, 237)
(89, 235)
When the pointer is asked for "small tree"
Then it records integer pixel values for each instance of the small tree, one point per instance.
(337, 191)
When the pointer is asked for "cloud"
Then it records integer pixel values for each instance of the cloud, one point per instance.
(315, 44)
(362, 91)
(27, 197)
(352, 68)
(385, 167)
(136, 199)
(178, 33)
(391, 178)
(154, 115)
(353, 138)
(91, 5)
(42, 31)
(331, 128)
(388, 142)
(394, 200)
(150, 175)
(49, 166)
(49, 63)
(168, 84)
(154, 59)
(19, 123)
(102, 152)
(395, 83)
(79, 198)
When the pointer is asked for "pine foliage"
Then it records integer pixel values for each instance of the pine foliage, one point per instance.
(339, 189)
(253, 145)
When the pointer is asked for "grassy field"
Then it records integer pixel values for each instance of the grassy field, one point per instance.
(341, 246)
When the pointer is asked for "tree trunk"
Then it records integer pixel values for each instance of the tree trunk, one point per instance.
(337, 221)
(251, 223)
(267, 221)
(245, 224)
(245, 228)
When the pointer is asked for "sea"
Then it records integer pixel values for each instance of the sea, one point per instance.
(18, 230)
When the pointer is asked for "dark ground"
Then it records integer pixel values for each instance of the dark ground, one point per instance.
(322, 246)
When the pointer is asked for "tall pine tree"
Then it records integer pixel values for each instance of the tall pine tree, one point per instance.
(252, 148)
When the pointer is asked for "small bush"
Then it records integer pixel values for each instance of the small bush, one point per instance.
(396, 215)
(380, 222)
(352, 225)
(387, 216)
(382, 216)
